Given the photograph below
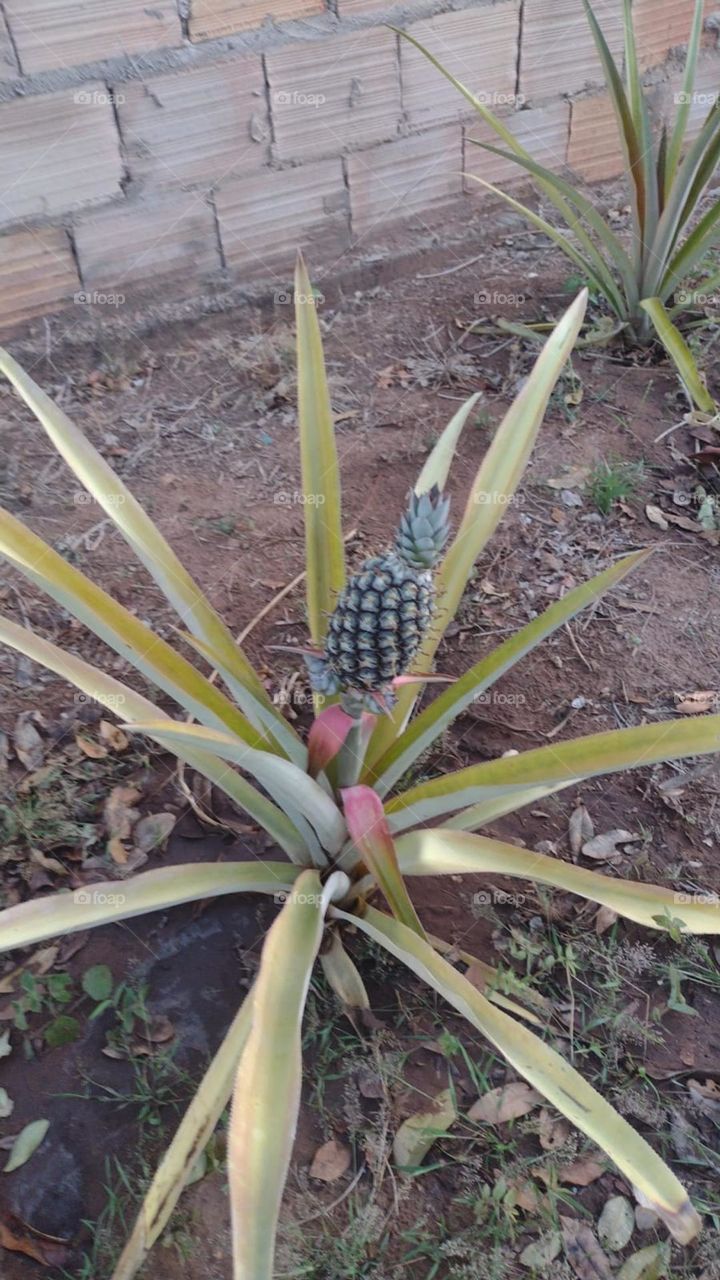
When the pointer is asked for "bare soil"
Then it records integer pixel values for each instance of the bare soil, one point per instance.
(200, 422)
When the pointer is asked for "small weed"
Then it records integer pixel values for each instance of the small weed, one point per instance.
(612, 480)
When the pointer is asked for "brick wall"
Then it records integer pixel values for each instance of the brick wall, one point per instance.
(168, 149)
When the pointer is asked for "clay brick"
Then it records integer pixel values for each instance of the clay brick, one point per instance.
(57, 152)
(37, 274)
(201, 126)
(63, 33)
(403, 178)
(329, 95)
(595, 151)
(543, 131)
(348, 8)
(210, 18)
(558, 50)
(479, 47)
(263, 219)
(9, 69)
(662, 25)
(127, 245)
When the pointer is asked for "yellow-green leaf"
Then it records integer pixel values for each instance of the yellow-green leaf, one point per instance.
(442, 852)
(324, 547)
(547, 1071)
(266, 1096)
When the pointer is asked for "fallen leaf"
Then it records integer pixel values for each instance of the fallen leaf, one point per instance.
(117, 850)
(645, 1219)
(330, 1161)
(97, 982)
(153, 830)
(616, 1223)
(417, 1134)
(541, 1252)
(580, 828)
(574, 479)
(5, 1046)
(119, 812)
(26, 1143)
(605, 919)
(29, 746)
(17, 1237)
(159, 1030)
(40, 962)
(656, 516)
(603, 847)
(7, 1106)
(506, 1103)
(93, 750)
(4, 751)
(649, 1263)
(113, 735)
(696, 704)
(48, 864)
(553, 1132)
(707, 1095)
(583, 1251)
(579, 1173)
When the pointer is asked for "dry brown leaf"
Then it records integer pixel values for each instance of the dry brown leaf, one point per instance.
(417, 1134)
(657, 517)
(616, 1223)
(117, 850)
(93, 750)
(579, 1173)
(40, 962)
(605, 919)
(604, 848)
(29, 746)
(153, 830)
(583, 1252)
(553, 1131)
(696, 704)
(158, 1030)
(330, 1161)
(113, 736)
(17, 1237)
(48, 864)
(121, 814)
(507, 1103)
(706, 1094)
(580, 828)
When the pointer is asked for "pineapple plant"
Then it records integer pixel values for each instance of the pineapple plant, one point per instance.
(349, 832)
(383, 613)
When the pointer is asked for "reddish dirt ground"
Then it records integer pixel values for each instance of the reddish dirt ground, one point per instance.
(201, 425)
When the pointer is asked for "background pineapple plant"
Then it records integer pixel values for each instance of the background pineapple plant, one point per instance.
(345, 844)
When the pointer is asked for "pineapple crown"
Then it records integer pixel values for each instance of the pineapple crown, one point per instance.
(424, 528)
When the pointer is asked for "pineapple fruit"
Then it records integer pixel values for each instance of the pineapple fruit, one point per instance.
(383, 612)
